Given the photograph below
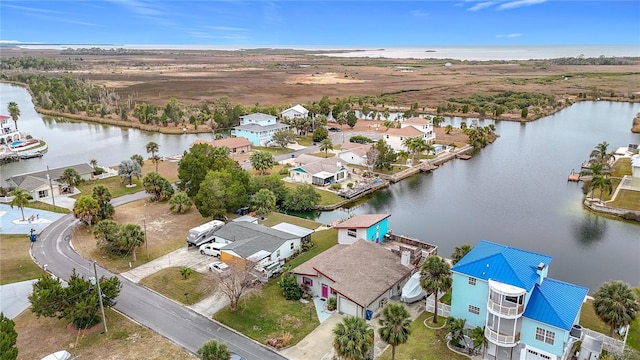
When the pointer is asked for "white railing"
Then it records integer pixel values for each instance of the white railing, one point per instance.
(513, 310)
(501, 339)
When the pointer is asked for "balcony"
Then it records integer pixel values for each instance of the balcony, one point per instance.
(505, 308)
(502, 339)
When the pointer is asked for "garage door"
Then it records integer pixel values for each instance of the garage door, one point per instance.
(347, 307)
(534, 355)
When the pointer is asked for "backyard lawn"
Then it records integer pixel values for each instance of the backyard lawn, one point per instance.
(326, 197)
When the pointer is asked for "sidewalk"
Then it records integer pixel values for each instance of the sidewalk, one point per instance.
(14, 298)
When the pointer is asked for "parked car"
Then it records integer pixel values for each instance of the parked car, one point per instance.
(211, 249)
(334, 129)
(218, 266)
(235, 356)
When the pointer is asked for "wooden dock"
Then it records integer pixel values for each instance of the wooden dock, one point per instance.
(463, 156)
(573, 176)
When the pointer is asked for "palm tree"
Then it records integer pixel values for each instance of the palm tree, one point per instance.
(615, 304)
(415, 145)
(479, 340)
(93, 163)
(448, 128)
(600, 153)
(180, 203)
(262, 161)
(211, 350)
(395, 326)
(435, 277)
(602, 183)
(326, 145)
(353, 338)
(130, 237)
(456, 330)
(595, 170)
(71, 177)
(14, 112)
(459, 252)
(20, 199)
(152, 148)
(85, 208)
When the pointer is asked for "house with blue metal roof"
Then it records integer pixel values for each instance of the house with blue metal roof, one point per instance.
(525, 314)
(258, 128)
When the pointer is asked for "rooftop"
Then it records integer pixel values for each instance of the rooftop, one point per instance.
(258, 117)
(231, 143)
(81, 169)
(258, 127)
(249, 238)
(556, 303)
(408, 131)
(362, 221)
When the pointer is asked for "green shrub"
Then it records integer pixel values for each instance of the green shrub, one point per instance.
(284, 171)
(290, 288)
(332, 303)
(336, 186)
(360, 139)
(349, 185)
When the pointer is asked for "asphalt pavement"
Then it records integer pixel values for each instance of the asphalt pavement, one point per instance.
(185, 327)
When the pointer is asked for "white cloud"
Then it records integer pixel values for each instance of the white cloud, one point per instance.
(514, 35)
(519, 3)
(140, 7)
(480, 6)
(419, 13)
(225, 28)
(30, 9)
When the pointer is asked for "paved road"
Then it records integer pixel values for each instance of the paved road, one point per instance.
(169, 319)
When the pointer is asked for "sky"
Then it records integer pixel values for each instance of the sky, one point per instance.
(321, 23)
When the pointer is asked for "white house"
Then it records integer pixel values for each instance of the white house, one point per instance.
(320, 172)
(635, 170)
(395, 137)
(258, 128)
(297, 111)
(371, 227)
(422, 124)
(37, 183)
(362, 276)
(354, 153)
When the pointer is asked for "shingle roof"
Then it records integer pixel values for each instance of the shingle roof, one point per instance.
(249, 238)
(258, 117)
(362, 221)
(320, 164)
(298, 108)
(361, 271)
(417, 120)
(81, 169)
(488, 260)
(31, 183)
(556, 303)
(258, 127)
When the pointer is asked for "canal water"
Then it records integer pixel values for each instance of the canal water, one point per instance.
(514, 192)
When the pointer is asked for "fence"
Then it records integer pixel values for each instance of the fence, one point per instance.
(444, 310)
(608, 343)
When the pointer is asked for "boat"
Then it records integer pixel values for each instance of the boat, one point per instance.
(15, 145)
(412, 291)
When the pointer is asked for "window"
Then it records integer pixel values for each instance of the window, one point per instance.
(474, 309)
(307, 281)
(278, 253)
(351, 232)
(546, 336)
(42, 193)
(472, 281)
(292, 246)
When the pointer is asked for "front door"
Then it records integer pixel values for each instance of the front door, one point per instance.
(325, 291)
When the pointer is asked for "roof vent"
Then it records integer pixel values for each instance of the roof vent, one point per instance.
(541, 266)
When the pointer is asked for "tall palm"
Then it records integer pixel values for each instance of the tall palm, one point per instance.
(395, 326)
(435, 277)
(152, 148)
(448, 128)
(326, 145)
(14, 112)
(459, 252)
(602, 183)
(479, 340)
(20, 199)
(211, 350)
(353, 338)
(600, 153)
(130, 238)
(595, 170)
(615, 304)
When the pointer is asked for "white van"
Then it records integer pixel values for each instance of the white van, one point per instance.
(212, 249)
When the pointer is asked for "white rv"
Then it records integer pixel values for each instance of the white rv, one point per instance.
(203, 234)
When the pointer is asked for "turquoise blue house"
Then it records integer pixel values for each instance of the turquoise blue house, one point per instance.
(525, 314)
(370, 227)
(258, 128)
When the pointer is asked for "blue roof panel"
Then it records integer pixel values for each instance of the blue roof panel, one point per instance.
(556, 303)
(488, 260)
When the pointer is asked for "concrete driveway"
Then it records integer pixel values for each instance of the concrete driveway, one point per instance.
(318, 345)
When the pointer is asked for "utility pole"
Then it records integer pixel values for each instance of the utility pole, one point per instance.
(53, 200)
(146, 244)
(104, 319)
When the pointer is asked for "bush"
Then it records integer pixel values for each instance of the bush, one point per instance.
(290, 288)
(360, 139)
(349, 185)
(336, 186)
(283, 171)
(320, 134)
(332, 303)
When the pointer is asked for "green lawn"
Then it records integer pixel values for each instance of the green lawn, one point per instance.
(48, 207)
(266, 314)
(424, 343)
(326, 197)
(273, 150)
(114, 184)
(171, 284)
(627, 199)
(15, 262)
(321, 154)
(621, 167)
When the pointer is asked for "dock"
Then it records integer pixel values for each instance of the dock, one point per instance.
(463, 156)
(573, 176)
(418, 250)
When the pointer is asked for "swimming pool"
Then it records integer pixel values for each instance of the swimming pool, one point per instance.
(17, 143)
(438, 148)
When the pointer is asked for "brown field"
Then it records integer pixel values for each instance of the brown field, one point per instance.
(288, 77)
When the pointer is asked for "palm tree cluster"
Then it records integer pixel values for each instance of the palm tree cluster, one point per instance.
(479, 136)
(417, 145)
(598, 169)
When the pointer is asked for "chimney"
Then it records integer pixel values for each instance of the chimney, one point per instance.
(339, 164)
(542, 272)
(405, 257)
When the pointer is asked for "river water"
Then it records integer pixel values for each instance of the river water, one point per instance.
(513, 192)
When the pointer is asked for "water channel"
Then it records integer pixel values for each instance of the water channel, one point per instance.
(513, 192)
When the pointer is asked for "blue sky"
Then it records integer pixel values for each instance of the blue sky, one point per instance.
(321, 23)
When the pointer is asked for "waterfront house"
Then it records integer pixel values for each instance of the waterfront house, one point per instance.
(525, 314)
(236, 145)
(297, 111)
(321, 172)
(362, 276)
(38, 185)
(635, 170)
(258, 128)
(370, 227)
(353, 153)
(395, 137)
(250, 241)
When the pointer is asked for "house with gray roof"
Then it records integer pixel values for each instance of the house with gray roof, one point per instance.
(38, 183)
(362, 276)
(258, 128)
(249, 241)
(323, 171)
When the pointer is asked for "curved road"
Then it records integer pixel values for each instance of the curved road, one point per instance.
(175, 322)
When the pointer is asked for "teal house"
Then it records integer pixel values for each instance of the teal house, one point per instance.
(525, 314)
(258, 128)
(369, 227)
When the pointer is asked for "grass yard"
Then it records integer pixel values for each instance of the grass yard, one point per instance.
(48, 207)
(326, 197)
(125, 340)
(114, 184)
(321, 154)
(589, 320)
(275, 218)
(273, 150)
(627, 199)
(16, 264)
(621, 167)
(170, 283)
(266, 314)
(166, 232)
(424, 343)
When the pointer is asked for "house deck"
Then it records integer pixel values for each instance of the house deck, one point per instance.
(418, 250)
